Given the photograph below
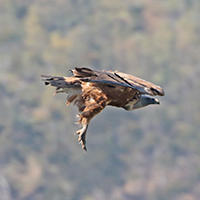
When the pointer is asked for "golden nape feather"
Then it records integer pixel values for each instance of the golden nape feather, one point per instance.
(91, 91)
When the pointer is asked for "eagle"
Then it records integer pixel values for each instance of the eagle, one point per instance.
(92, 90)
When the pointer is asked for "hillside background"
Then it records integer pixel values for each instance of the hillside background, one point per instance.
(148, 154)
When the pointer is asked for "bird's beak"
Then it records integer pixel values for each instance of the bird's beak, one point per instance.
(157, 101)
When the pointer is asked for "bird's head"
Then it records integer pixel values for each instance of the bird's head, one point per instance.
(143, 101)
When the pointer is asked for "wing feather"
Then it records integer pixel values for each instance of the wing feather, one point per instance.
(119, 79)
(143, 86)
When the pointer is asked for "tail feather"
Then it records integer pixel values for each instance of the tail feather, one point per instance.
(61, 82)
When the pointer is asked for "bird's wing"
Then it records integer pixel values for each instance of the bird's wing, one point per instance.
(118, 78)
(143, 86)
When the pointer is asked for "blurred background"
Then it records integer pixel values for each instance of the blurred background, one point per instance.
(148, 154)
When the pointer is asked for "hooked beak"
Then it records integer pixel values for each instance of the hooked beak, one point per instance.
(157, 101)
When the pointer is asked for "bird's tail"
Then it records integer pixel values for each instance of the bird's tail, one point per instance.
(62, 84)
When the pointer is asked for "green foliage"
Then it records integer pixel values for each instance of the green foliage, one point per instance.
(148, 154)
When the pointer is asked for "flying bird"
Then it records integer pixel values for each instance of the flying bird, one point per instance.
(91, 91)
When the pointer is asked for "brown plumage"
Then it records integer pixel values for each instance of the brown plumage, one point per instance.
(91, 91)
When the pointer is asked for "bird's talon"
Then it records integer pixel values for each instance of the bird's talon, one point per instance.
(75, 133)
(81, 136)
(78, 132)
(84, 148)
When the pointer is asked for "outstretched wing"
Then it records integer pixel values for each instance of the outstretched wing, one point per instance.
(118, 78)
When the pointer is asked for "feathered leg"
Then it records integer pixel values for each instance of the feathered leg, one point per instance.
(88, 113)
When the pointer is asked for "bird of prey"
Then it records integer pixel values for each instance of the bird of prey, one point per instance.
(91, 91)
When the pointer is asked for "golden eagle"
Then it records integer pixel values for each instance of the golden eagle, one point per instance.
(92, 90)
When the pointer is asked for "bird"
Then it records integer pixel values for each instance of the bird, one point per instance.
(92, 90)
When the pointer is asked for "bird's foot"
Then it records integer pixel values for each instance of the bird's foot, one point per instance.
(81, 139)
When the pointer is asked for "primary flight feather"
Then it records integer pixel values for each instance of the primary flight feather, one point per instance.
(91, 91)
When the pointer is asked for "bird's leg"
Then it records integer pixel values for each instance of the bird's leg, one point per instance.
(82, 134)
(90, 110)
